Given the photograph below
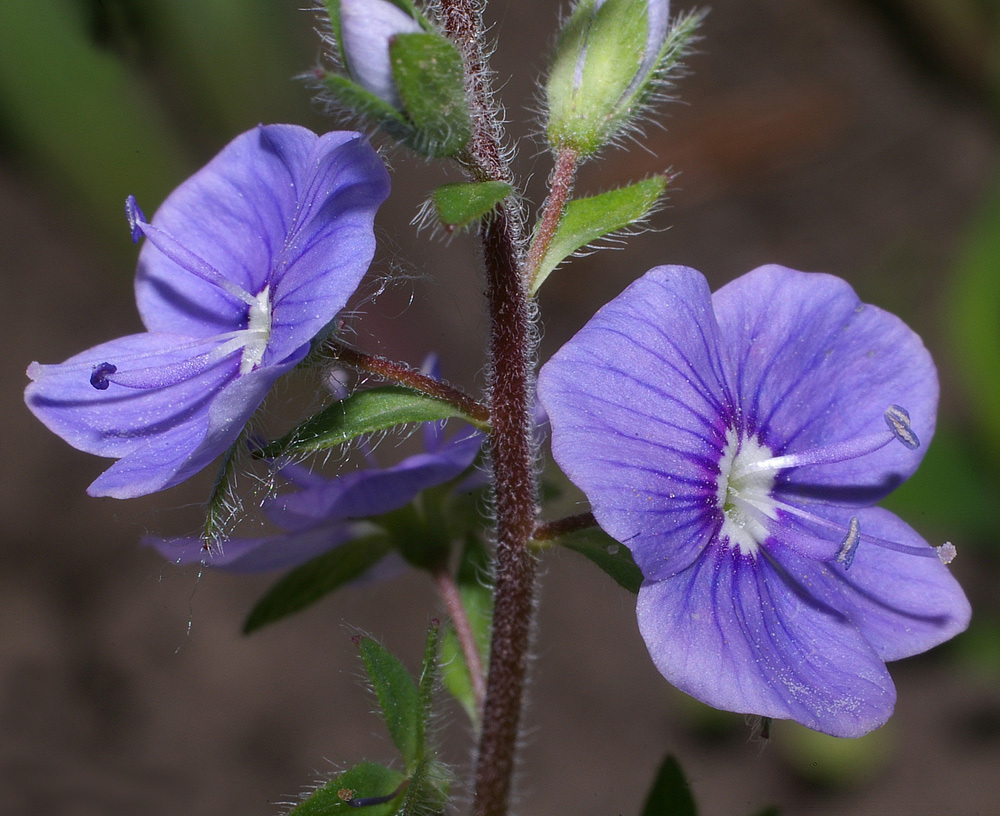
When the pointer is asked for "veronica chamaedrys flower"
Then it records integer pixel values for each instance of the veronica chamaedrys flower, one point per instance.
(736, 444)
(324, 513)
(366, 31)
(243, 265)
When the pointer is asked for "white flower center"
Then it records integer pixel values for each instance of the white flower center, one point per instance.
(743, 493)
(258, 331)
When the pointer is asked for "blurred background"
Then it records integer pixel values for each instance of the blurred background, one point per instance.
(857, 137)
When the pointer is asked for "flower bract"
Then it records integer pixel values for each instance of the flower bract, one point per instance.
(243, 265)
(736, 443)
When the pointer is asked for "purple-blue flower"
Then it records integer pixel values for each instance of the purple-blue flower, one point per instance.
(736, 444)
(324, 513)
(243, 265)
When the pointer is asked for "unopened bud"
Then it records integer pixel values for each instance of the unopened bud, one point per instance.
(367, 28)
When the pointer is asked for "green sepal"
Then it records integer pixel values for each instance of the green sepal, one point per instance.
(670, 794)
(363, 103)
(218, 514)
(462, 203)
(429, 670)
(430, 79)
(427, 792)
(606, 553)
(364, 412)
(398, 698)
(363, 782)
(305, 585)
(588, 219)
(477, 600)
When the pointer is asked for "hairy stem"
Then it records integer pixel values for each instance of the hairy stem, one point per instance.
(512, 455)
(560, 187)
(400, 374)
(552, 530)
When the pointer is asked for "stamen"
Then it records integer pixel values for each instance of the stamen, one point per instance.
(160, 376)
(99, 376)
(946, 552)
(850, 545)
(181, 256)
(898, 421)
(896, 418)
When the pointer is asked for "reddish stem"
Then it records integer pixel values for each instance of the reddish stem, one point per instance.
(551, 530)
(512, 454)
(392, 371)
(560, 187)
(448, 590)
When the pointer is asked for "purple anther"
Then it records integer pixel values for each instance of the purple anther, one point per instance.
(99, 376)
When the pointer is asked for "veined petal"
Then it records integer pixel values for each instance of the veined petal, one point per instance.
(117, 420)
(638, 401)
(254, 213)
(740, 634)
(816, 366)
(901, 604)
(372, 492)
(256, 554)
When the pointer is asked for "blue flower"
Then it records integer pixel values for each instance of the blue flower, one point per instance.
(243, 265)
(736, 444)
(324, 513)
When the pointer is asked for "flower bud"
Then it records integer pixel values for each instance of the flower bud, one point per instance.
(367, 28)
(610, 55)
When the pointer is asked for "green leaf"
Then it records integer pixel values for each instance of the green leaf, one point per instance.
(477, 600)
(612, 557)
(587, 219)
(399, 699)
(430, 78)
(670, 794)
(365, 412)
(361, 784)
(429, 670)
(462, 203)
(305, 585)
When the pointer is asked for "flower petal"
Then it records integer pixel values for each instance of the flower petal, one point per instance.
(902, 604)
(161, 435)
(816, 366)
(277, 202)
(638, 405)
(372, 492)
(741, 634)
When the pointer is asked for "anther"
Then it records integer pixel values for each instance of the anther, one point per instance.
(946, 552)
(99, 376)
(850, 546)
(898, 421)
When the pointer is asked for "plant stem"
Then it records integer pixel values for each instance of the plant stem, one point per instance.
(512, 454)
(560, 187)
(448, 590)
(400, 374)
(551, 530)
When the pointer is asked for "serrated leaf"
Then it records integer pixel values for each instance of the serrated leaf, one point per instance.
(361, 785)
(670, 794)
(305, 585)
(460, 204)
(430, 79)
(612, 557)
(365, 412)
(399, 699)
(587, 219)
